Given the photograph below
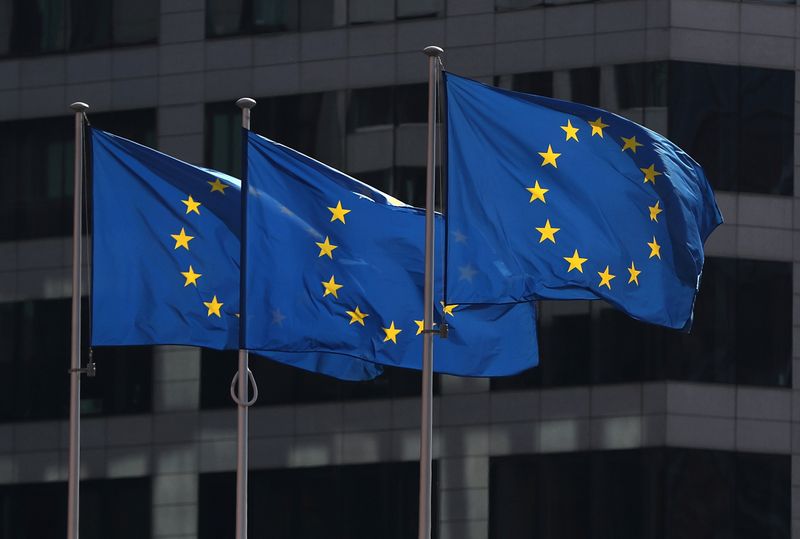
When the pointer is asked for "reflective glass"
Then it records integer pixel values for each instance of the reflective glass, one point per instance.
(118, 508)
(337, 502)
(661, 493)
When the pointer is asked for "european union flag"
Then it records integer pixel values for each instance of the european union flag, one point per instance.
(337, 266)
(552, 199)
(166, 256)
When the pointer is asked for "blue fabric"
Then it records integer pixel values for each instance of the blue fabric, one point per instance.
(292, 208)
(139, 293)
(502, 148)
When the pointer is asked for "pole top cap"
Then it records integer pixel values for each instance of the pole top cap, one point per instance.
(246, 103)
(79, 106)
(433, 50)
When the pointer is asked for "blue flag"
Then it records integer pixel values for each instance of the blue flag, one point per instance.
(166, 256)
(549, 199)
(337, 266)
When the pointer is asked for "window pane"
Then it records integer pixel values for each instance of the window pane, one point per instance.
(665, 493)
(118, 508)
(370, 107)
(364, 11)
(539, 83)
(135, 22)
(37, 26)
(766, 156)
(274, 16)
(337, 502)
(90, 24)
(585, 85)
(322, 14)
(225, 17)
(747, 112)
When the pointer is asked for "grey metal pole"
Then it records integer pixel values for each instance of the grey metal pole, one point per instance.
(74, 470)
(426, 423)
(245, 104)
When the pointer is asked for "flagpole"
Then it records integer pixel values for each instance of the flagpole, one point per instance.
(73, 473)
(426, 423)
(243, 375)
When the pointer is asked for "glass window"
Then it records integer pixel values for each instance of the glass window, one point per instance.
(539, 82)
(322, 14)
(337, 502)
(36, 157)
(585, 85)
(749, 114)
(742, 333)
(273, 16)
(665, 493)
(282, 384)
(36, 336)
(134, 22)
(309, 123)
(48, 26)
(368, 11)
(225, 17)
(118, 508)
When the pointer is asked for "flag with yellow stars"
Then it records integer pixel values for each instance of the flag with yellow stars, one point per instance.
(549, 199)
(166, 256)
(341, 266)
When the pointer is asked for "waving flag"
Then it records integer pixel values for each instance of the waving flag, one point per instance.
(549, 199)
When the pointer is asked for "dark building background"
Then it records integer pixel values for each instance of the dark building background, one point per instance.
(624, 431)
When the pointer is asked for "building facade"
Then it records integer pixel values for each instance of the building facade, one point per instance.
(624, 430)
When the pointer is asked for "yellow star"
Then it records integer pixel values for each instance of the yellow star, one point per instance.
(572, 132)
(218, 186)
(191, 205)
(357, 316)
(549, 157)
(605, 278)
(338, 212)
(537, 192)
(448, 309)
(182, 240)
(326, 248)
(575, 261)
(421, 324)
(213, 306)
(630, 144)
(650, 173)
(331, 288)
(191, 277)
(548, 232)
(597, 127)
(655, 249)
(391, 333)
(634, 274)
(654, 211)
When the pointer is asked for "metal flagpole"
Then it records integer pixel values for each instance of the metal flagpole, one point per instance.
(75, 346)
(243, 376)
(426, 423)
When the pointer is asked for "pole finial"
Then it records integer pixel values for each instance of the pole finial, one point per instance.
(433, 50)
(246, 103)
(79, 106)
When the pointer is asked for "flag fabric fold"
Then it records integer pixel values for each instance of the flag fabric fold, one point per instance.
(337, 267)
(165, 255)
(548, 199)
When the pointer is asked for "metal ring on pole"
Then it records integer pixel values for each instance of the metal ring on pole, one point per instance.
(252, 380)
